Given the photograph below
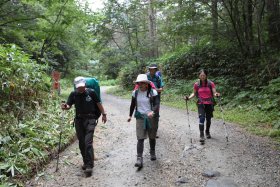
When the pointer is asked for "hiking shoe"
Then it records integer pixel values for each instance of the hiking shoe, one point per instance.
(139, 162)
(202, 138)
(208, 136)
(88, 172)
(153, 155)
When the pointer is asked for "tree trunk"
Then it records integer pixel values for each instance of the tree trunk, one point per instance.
(273, 23)
(260, 14)
(248, 25)
(231, 7)
(214, 11)
(152, 30)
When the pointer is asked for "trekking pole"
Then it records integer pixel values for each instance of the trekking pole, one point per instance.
(222, 112)
(60, 136)
(188, 116)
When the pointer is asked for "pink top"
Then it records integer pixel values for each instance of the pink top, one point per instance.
(204, 92)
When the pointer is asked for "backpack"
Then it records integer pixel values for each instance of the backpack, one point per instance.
(158, 73)
(209, 85)
(157, 78)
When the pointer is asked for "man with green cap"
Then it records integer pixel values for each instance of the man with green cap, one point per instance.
(154, 77)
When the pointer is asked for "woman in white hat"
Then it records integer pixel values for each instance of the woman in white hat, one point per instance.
(145, 101)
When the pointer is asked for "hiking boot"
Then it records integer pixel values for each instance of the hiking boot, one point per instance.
(208, 136)
(202, 138)
(207, 131)
(88, 172)
(139, 162)
(153, 155)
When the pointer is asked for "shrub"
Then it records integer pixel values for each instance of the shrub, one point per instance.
(129, 73)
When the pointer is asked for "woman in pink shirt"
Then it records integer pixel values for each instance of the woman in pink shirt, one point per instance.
(205, 91)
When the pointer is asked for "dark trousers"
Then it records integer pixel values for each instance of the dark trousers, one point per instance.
(85, 130)
(205, 111)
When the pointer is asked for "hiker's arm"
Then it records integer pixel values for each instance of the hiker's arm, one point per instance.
(191, 96)
(159, 90)
(69, 103)
(104, 115)
(161, 82)
(215, 93)
(156, 104)
(65, 106)
(132, 107)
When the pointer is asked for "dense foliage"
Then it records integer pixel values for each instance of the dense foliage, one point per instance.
(51, 32)
(30, 121)
(236, 41)
(226, 65)
(35, 38)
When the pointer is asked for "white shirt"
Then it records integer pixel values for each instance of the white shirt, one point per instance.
(143, 102)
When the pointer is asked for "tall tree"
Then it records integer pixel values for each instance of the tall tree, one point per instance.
(152, 29)
(273, 23)
(214, 11)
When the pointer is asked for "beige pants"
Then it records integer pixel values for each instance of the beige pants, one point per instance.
(142, 133)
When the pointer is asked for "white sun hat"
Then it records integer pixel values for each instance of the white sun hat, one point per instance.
(142, 78)
(79, 82)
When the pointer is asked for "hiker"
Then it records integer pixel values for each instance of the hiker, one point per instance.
(155, 77)
(145, 101)
(205, 91)
(88, 108)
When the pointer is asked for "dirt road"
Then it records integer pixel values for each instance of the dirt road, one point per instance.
(245, 161)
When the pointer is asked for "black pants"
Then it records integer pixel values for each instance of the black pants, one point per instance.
(205, 111)
(85, 130)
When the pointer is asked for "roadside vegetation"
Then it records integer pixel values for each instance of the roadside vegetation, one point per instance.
(30, 119)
